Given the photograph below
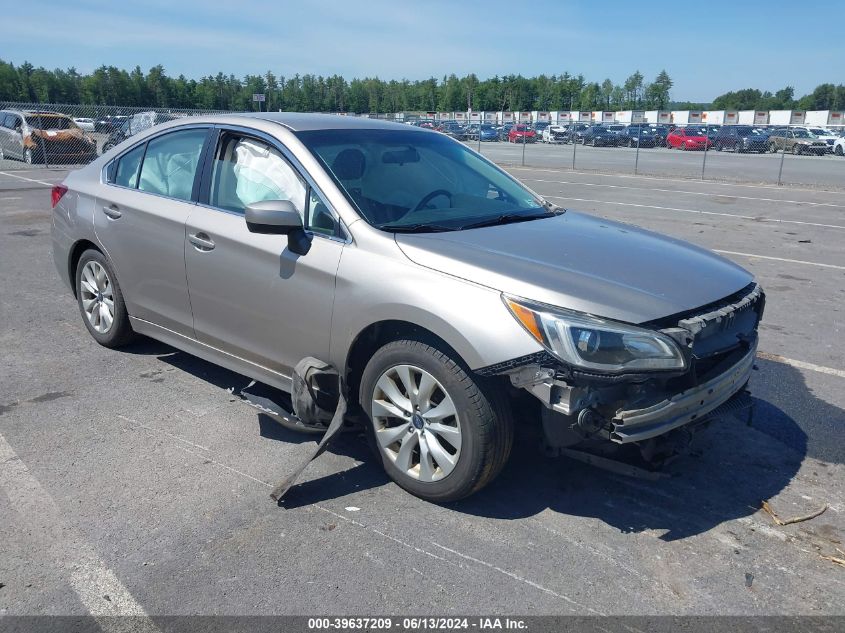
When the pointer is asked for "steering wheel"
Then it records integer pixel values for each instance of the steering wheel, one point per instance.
(428, 198)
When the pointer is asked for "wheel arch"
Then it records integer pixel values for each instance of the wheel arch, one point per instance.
(380, 333)
(75, 253)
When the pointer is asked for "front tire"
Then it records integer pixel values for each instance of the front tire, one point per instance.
(441, 433)
(101, 301)
(839, 151)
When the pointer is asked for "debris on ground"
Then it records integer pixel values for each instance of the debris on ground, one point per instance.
(778, 521)
(835, 559)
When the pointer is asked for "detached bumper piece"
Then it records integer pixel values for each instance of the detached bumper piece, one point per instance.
(687, 407)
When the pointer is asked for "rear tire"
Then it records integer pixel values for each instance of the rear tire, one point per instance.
(100, 298)
(482, 422)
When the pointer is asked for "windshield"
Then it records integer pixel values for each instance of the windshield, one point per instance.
(409, 179)
(819, 131)
(801, 134)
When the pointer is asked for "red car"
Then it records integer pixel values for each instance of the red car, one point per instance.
(522, 134)
(687, 138)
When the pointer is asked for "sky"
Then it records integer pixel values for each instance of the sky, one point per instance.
(706, 47)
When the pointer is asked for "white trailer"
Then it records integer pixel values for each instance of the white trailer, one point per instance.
(680, 117)
(560, 117)
(503, 117)
(753, 117)
(523, 117)
(584, 116)
(601, 116)
(630, 116)
(537, 116)
(658, 116)
(823, 118)
(786, 117)
(720, 117)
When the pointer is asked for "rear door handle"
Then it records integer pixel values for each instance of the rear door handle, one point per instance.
(112, 211)
(201, 241)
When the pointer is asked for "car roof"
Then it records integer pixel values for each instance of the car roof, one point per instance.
(306, 121)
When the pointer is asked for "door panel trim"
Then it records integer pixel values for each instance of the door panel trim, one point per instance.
(212, 354)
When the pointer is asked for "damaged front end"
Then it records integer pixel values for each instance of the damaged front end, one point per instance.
(662, 379)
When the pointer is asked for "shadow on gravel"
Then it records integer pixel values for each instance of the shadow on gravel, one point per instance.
(731, 470)
(368, 474)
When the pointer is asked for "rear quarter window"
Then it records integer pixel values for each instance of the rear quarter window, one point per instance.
(128, 167)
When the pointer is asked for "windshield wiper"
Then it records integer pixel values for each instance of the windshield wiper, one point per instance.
(508, 218)
(416, 228)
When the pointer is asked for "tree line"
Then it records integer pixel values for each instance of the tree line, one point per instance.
(112, 86)
(824, 97)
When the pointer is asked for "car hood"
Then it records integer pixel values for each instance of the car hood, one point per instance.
(583, 263)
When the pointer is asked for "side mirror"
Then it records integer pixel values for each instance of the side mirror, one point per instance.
(278, 217)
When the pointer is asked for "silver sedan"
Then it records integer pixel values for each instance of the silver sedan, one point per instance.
(431, 287)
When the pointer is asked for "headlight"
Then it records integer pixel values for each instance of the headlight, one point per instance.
(593, 343)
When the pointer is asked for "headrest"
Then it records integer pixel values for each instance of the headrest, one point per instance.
(349, 164)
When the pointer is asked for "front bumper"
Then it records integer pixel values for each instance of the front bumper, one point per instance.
(691, 405)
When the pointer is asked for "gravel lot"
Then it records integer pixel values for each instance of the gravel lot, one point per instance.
(137, 475)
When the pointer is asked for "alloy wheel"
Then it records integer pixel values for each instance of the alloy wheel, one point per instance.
(97, 296)
(416, 424)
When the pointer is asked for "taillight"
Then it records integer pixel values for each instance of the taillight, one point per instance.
(56, 194)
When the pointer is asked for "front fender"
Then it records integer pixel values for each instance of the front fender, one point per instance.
(471, 318)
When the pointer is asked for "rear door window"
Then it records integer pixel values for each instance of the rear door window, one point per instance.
(170, 164)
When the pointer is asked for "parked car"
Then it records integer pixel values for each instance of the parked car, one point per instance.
(741, 138)
(37, 137)
(827, 136)
(660, 134)
(539, 127)
(522, 133)
(134, 124)
(554, 134)
(576, 131)
(599, 136)
(375, 273)
(687, 138)
(638, 134)
(616, 128)
(839, 146)
(504, 130)
(797, 141)
(453, 129)
(109, 123)
(488, 133)
(84, 123)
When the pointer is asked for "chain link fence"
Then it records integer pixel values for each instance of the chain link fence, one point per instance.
(53, 135)
(777, 155)
(56, 134)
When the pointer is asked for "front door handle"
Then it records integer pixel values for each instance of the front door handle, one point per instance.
(112, 211)
(201, 241)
